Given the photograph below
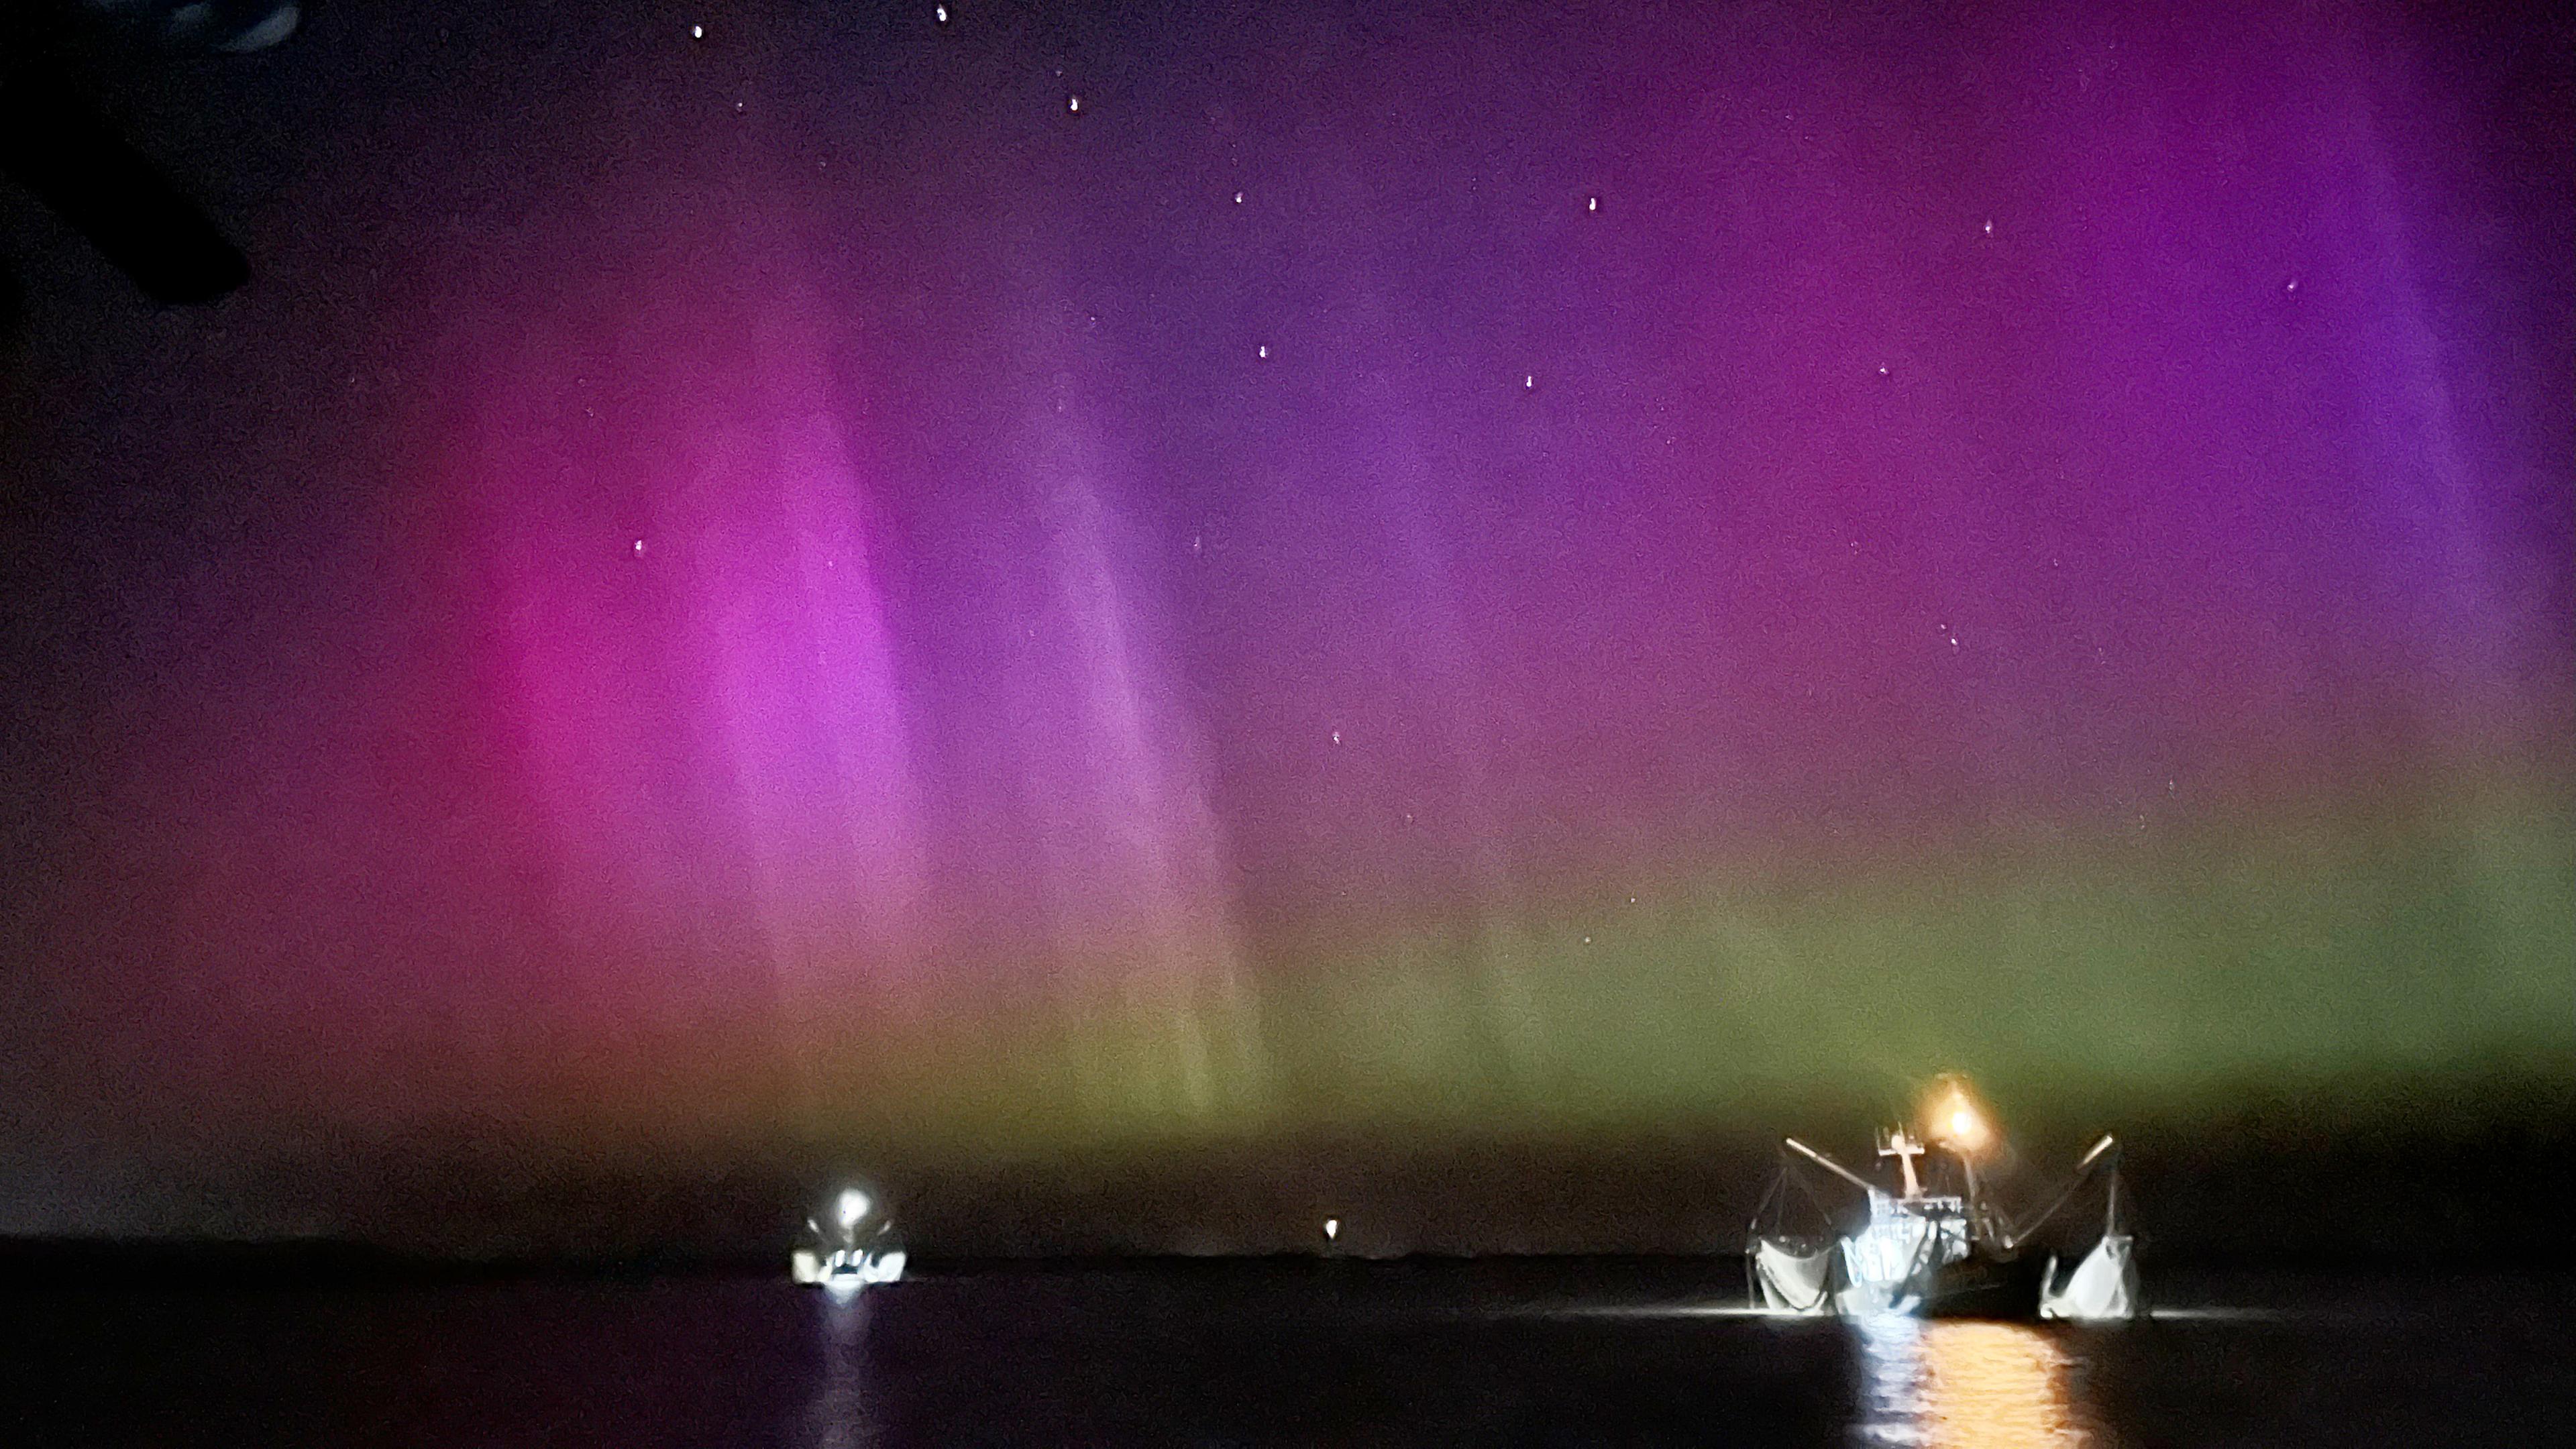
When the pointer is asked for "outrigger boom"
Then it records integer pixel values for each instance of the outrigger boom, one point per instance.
(1828, 1164)
(2083, 1169)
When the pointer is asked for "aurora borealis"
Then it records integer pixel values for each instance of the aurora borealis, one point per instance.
(1450, 571)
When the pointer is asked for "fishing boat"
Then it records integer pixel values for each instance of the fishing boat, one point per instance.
(1934, 1240)
(853, 1246)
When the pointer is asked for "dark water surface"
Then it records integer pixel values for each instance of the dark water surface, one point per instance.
(1347, 1353)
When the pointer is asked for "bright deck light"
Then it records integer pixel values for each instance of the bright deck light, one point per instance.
(854, 1206)
(1967, 1129)
(1953, 1116)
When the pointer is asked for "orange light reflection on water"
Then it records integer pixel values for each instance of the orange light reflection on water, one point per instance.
(1995, 1386)
(1967, 1385)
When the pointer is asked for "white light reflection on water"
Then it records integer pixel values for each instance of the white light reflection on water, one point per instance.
(1949, 1384)
(1891, 1385)
(837, 1416)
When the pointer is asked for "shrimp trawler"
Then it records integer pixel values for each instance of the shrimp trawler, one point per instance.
(856, 1248)
(1934, 1241)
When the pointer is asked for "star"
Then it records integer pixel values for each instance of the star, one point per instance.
(1238, 198)
(1264, 352)
(1073, 103)
(1990, 228)
(1337, 737)
(1528, 381)
(940, 13)
(697, 32)
(1592, 203)
(639, 548)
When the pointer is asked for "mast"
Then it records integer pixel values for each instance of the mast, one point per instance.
(1904, 1149)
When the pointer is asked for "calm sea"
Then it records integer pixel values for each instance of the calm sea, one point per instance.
(1345, 1353)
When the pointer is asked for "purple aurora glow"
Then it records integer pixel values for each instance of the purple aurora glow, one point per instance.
(1491, 567)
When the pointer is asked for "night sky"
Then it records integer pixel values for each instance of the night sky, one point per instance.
(751, 580)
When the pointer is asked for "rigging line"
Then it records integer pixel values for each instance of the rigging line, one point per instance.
(1812, 1200)
(1768, 1195)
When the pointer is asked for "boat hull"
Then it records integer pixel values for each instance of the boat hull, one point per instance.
(1979, 1285)
(1984, 1286)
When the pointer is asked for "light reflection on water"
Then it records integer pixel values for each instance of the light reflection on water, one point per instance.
(1955, 1384)
(837, 1416)
(1940, 1384)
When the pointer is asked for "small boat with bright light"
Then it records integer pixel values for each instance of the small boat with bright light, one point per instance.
(1934, 1241)
(858, 1248)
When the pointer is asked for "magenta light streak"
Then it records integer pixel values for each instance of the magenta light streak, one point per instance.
(685, 579)
(713, 716)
